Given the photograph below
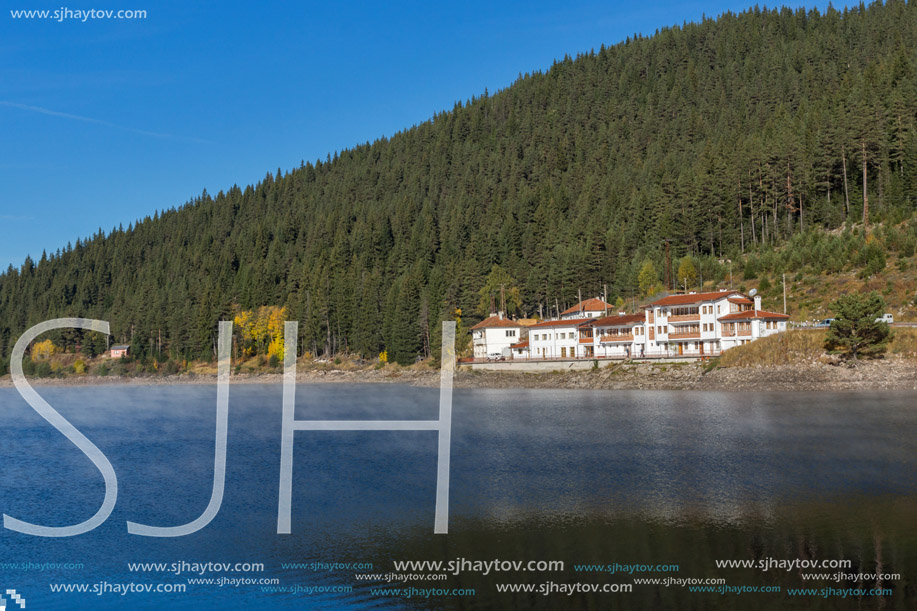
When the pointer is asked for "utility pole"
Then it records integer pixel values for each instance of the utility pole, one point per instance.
(605, 297)
(579, 296)
(503, 299)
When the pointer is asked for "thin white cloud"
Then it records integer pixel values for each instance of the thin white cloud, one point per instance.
(66, 115)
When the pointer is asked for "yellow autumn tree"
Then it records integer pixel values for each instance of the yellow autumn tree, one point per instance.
(243, 325)
(275, 319)
(44, 350)
(261, 331)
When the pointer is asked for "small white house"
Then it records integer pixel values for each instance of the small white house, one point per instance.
(493, 336)
(520, 350)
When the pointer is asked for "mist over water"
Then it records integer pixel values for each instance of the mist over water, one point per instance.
(581, 476)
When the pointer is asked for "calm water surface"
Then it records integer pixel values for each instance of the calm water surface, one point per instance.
(584, 477)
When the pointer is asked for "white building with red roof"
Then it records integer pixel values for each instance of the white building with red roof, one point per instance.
(691, 324)
(492, 337)
(622, 335)
(699, 324)
(741, 327)
(589, 308)
(558, 339)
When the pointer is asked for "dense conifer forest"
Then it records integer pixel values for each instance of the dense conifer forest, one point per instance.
(715, 140)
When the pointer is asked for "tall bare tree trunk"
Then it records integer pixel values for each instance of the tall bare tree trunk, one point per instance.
(741, 218)
(790, 202)
(865, 196)
(802, 226)
(751, 206)
(846, 191)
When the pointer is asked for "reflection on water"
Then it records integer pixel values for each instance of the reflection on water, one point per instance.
(584, 477)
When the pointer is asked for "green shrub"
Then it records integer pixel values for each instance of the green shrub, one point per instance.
(855, 332)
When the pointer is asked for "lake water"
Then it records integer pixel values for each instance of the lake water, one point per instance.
(584, 477)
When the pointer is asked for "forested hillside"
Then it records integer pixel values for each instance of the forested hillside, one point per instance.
(709, 140)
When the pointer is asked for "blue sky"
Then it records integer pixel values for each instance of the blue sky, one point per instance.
(104, 121)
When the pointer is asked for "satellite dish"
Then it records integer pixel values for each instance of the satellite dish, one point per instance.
(752, 292)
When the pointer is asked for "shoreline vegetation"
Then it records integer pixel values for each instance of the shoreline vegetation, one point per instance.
(791, 361)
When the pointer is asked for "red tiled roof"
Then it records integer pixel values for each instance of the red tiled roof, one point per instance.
(741, 300)
(619, 320)
(520, 345)
(674, 300)
(752, 314)
(589, 305)
(570, 322)
(497, 323)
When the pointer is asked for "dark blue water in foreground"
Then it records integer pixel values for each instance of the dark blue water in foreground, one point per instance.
(648, 477)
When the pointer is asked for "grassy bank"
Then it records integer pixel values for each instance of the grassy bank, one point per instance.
(805, 346)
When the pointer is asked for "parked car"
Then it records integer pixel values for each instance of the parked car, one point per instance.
(824, 324)
(887, 318)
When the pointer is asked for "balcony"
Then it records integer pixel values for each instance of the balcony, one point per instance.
(695, 335)
(745, 332)
(684, 318)
(607, 339)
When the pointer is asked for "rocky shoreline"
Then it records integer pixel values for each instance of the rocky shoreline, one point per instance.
(888, 374)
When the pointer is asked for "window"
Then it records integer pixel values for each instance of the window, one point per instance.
(511, 333)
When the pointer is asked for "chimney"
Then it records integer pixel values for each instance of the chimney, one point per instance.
(757, 302)
(500, 314)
